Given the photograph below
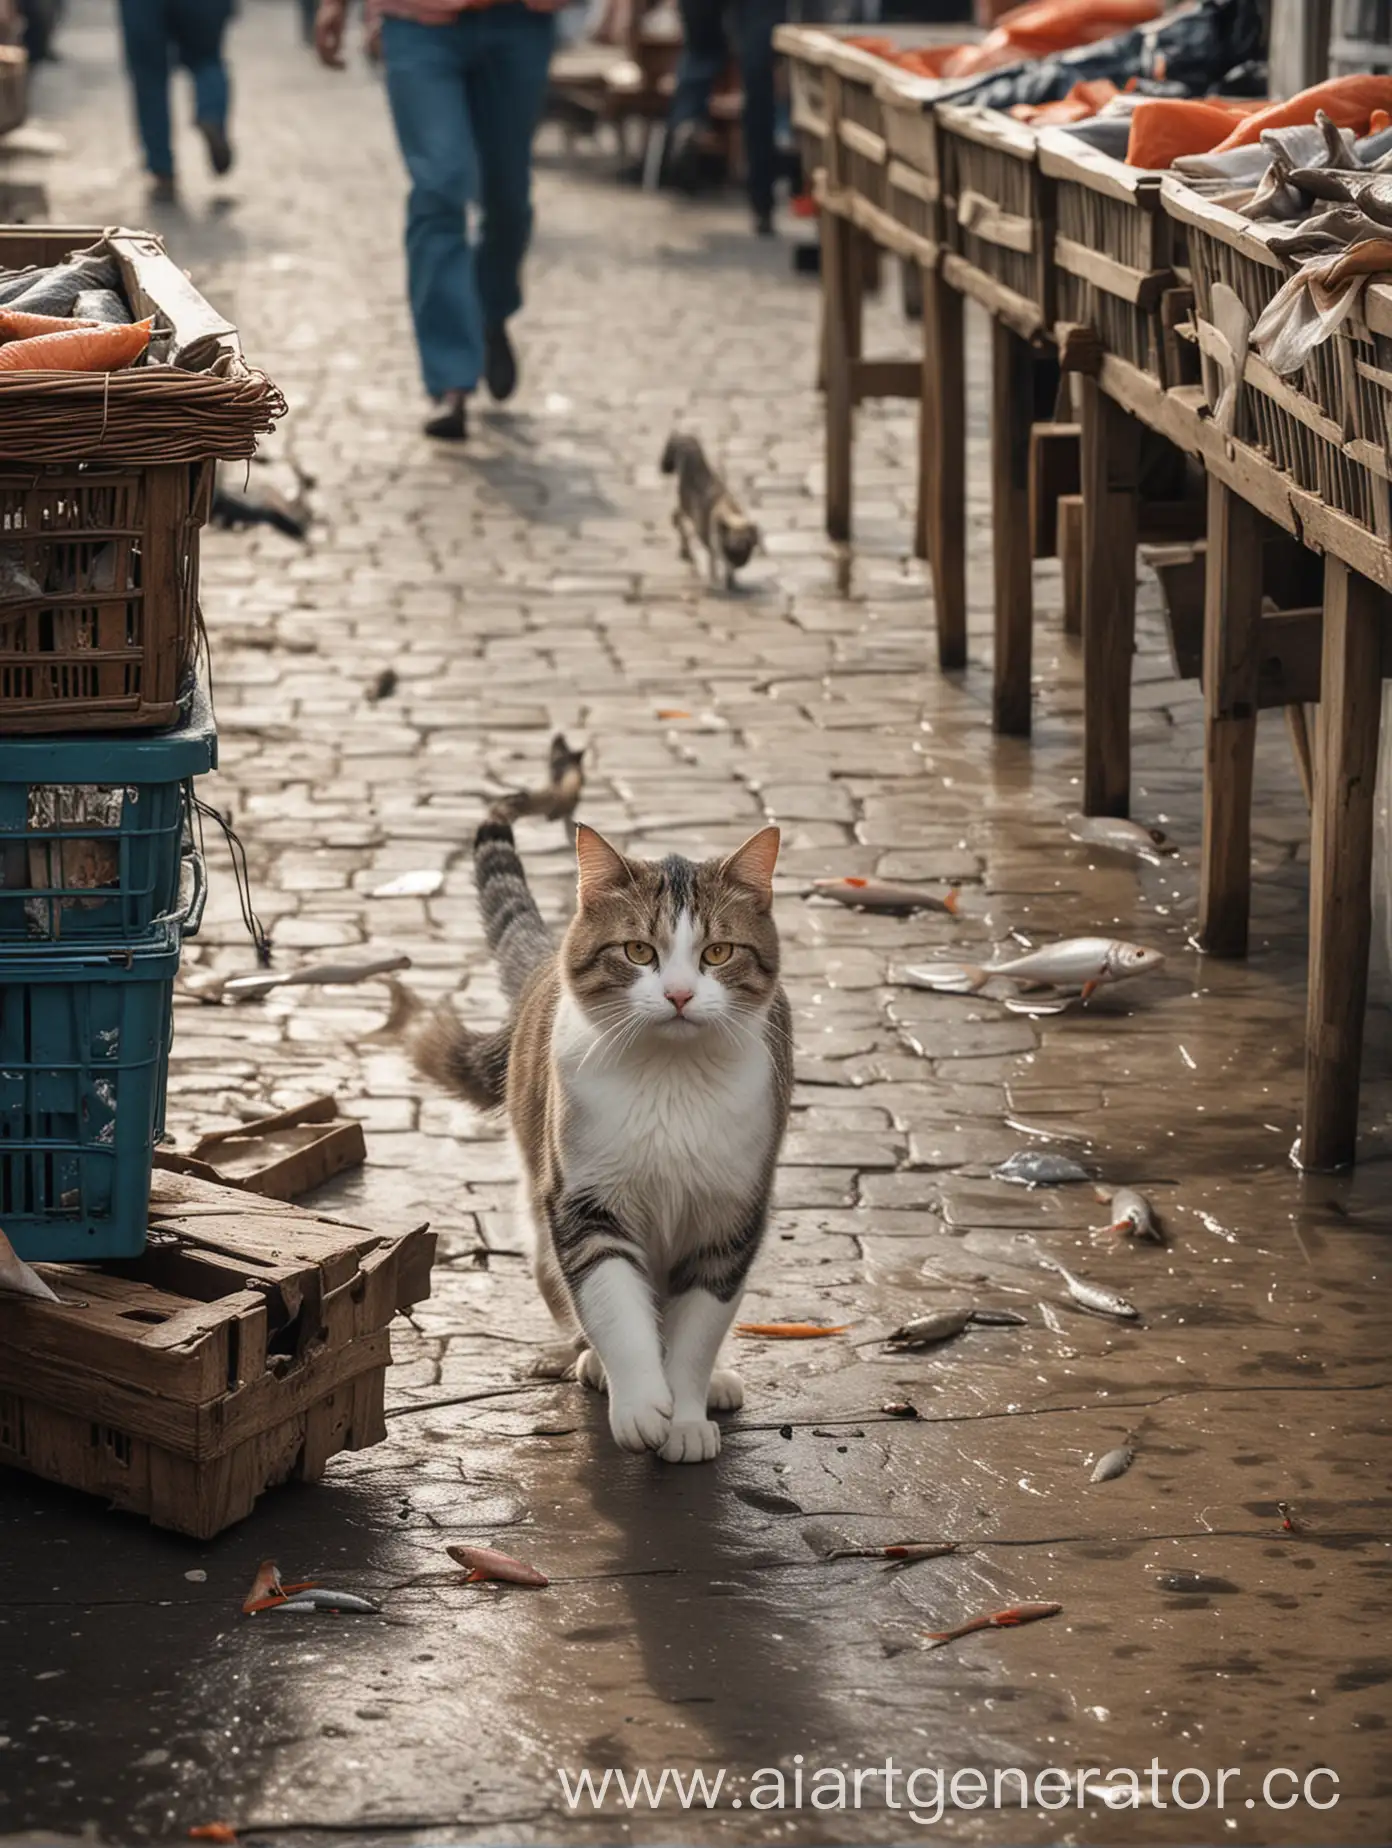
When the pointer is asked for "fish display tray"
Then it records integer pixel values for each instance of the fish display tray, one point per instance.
(998, 216)
(245, 1348)
(1326, 427)
(913, 168)
(96, 844)
(84, 1062)
(1117, 254)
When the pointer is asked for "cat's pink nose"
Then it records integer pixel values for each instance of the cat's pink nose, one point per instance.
(678, 997)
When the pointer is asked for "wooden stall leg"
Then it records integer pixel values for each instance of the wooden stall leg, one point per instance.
(1111, 467)
(1070, 555)
(942, 463)
(1231, 664)
(1012, 415)
(842, 283)
(1341, 858)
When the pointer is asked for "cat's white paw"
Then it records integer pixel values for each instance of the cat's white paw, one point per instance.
(725, 1392)
(692, 1440)
(589, 1370)
(640, 1424)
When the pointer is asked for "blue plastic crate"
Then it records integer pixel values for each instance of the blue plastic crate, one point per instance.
(84, 1062)
(95, 833)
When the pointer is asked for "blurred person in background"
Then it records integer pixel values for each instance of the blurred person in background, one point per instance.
(466, 80)
(706, 50)
(158, 34)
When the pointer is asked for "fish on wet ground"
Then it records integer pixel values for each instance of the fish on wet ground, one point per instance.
(268, 1589)
(1009, 1619)
(1121, 836)
(899, 1408)
(886, 895)
(1076, 964)
(790, 1331)
(1115, 1463)
(900, 1553)
(929, 1330)
(1039, 1168)
(487, 1565)
(1093, 1296)
(999, 1318)
(322, 1598)
(1132, 1216)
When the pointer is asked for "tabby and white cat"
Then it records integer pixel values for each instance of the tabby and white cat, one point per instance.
(706, 508)
(646, 1071)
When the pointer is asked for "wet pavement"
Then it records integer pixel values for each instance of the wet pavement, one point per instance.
(694, 1619)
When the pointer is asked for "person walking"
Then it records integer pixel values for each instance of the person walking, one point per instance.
(157, 34)
(705, 53)
(466, 81)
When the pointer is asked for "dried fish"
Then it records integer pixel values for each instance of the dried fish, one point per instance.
(902, 1552)
(1077, 963)
(22, 1279)
(1092, 1295)
(317, 975)
(1114, 1464)
(928, 1330)
(320, 1598)
(882, 895)
(1133, 1216)
(999, 1318)
(790, 1331)
(1121, 836)
(212, 1832)
(1008, 1619)
(1039, 1168)
(485, 1563)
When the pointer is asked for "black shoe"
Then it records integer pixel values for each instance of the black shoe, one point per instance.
(763, 224)
(452, 424)
(162, 189)
(219, 147)
(499, 363)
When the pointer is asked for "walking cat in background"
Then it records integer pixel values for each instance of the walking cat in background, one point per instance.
(646, 1070)
(706, 508)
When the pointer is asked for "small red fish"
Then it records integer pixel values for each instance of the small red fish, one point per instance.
(268, 1589)
(486, 1564)
(213, 1832)
(998, 1620)
(789, 1331)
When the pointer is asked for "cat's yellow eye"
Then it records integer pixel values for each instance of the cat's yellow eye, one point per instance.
(641, 953)
(717, 953)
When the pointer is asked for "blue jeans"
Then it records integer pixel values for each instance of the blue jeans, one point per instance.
(158, 34)
(466, 99)
(705, 53)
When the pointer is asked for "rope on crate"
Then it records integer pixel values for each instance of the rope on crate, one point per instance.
(256, 930)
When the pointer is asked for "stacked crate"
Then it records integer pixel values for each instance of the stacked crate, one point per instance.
(105, 481)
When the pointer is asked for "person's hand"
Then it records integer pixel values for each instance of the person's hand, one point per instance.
(328, 33)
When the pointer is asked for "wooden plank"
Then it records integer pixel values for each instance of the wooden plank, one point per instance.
(1356, 616)
(1111, 510)
(1012, 403)
(841, 285)
(984, 218)
(1232, 653)
(1298, 55)
(181, 1355)
(1070, 556)
(1017, 311)
(1298, 724)
(1055, 470)
(1142, 287)
(885, 378)
(943, 463)
(1288, 663)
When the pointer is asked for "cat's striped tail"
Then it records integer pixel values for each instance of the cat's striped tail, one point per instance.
(471, 1064)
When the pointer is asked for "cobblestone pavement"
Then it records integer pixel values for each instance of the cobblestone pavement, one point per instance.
(693, 1620)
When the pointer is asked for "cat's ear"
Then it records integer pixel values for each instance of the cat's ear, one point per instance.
(752, 865)
(602, 867)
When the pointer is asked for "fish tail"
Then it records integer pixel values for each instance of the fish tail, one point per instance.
(951, 902)
(951, 978)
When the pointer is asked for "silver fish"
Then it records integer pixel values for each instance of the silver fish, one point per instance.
(1133, 1215)
(1092, 1295)
(999, 1318)
(882, 895)
(1121, 836)
(1081, 963)
(20, 1278)
(928, 1330)
(1039, 1168)
(1114, 1464)
(320, 1598)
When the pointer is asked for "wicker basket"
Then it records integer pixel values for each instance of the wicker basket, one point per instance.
(1326, 427)
(998, 212)
(1116, 252)
(105, 480)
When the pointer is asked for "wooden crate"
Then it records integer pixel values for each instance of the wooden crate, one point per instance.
(998, 215)
(1324, 427)
(912, 208)
(14, 87)
(1117, 254)
(245, 1348)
